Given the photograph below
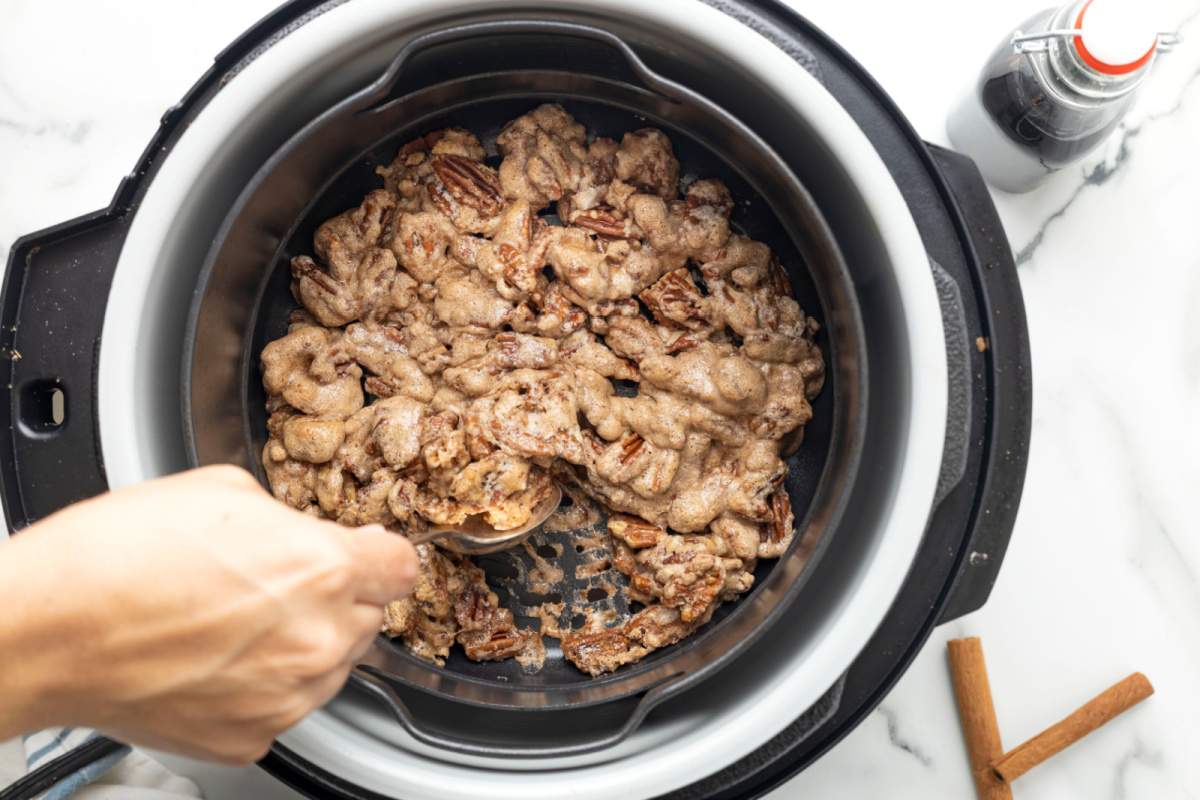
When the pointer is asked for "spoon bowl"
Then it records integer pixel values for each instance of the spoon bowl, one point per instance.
(474, 537)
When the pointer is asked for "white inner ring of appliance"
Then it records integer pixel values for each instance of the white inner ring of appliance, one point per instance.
(689, 748)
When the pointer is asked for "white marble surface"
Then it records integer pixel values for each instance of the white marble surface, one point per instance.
(1103, 575)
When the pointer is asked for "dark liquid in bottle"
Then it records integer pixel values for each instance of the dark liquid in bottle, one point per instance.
(1020, 107)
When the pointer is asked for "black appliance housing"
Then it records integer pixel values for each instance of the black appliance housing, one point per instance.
(51, 315)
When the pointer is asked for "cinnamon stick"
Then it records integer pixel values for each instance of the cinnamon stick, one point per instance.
(981, 733)
(1103, 707)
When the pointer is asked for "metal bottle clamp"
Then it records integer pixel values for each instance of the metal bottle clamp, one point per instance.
(1039, 42)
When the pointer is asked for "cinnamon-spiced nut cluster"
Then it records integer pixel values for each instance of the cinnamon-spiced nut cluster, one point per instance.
(456, 353)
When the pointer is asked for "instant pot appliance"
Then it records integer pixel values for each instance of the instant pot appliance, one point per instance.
(906, 487)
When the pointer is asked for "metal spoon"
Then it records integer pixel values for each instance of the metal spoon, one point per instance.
(474, 537)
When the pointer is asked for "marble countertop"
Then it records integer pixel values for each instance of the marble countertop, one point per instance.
(1103, 574)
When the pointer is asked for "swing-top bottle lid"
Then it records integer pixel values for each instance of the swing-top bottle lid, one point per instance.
(1115, 37)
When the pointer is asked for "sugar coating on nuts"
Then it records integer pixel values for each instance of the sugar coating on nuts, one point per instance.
(455, 355)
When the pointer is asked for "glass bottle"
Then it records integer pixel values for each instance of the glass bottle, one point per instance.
(1053, 90)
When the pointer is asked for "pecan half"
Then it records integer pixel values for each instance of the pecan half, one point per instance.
(300, 316)
(509, 256)
(603, 171)
(676, 299)
(683, 342)
(307, 268)
(603, 222)
(598, 652)
(415, 146)
(634, 531)
(330, 301)
(381, 387)
(508, 345)
(469, 182)
(517, 270)
(493, 646)
(394, 335)
(597, 444)
(471, 608)
(779, 278)
(427, 244)
(718, 200)
(631, 445)
(644, 585)
(780, 525)
(422, 143)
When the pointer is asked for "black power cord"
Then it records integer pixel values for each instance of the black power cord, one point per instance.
(50, 773)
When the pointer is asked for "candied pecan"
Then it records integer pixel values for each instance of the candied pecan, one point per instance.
(381, 387)
(549, 313)
(631, 445)
(493, 645)
(602, 651)
(659, 626)
(487, 632)
(641, 587)
(532, 411)
(602, 221)
(422, 143)
(597, 652)
(303, 267)
(369, 503)
(682, 572)
(400, 499)
(709, 194)
(306, 369)
(469, 182)
(312, 439)
(624, 559)
(780, 526)
(329, 300)
(292, 482)
(521, 351)
(635, 531)
(513, 263)
(601, 162)
(675, 299)
(543, 152)
(779, 278)
(683, 342)
(415, 146)
(598, 445)
(300, 316)
(472, 608)
(645, 160)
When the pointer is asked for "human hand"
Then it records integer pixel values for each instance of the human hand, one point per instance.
(192, 613)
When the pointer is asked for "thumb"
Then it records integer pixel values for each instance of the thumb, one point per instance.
(385, 564)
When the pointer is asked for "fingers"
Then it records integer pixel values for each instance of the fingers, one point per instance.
(385, 564)
(228, 474)
(233, 746)
(321, 691)
(368, 620)
(321, 688)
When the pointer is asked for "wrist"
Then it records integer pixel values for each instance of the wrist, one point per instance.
(33, 668)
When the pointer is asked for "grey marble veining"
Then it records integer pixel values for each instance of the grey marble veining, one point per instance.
(1099, 174)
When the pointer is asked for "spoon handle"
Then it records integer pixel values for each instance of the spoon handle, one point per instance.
(427, 536)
